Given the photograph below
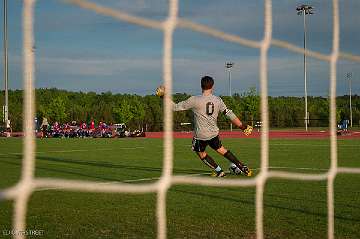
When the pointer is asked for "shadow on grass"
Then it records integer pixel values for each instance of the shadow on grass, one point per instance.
(61, 171)
(158, 169)
(119, 166)
(266, 205)
(96, 164)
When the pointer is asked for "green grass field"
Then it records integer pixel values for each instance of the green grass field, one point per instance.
(293, 209)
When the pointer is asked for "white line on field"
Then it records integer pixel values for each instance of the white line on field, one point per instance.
(208, 173)
(310, 145)
(315, 145)
(187, 175)
(142, 147)
(124, 181)
(310, 169)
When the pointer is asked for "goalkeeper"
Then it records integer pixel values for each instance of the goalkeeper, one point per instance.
(206, 108)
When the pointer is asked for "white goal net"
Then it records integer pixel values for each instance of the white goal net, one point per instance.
(21, 192)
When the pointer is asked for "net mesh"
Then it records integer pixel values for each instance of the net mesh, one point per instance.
(21, 192)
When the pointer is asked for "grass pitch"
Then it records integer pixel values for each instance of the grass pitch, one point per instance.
(292, 209)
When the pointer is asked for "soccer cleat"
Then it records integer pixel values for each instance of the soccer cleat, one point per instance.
(220, 174)
(246, 171)
(234, 169)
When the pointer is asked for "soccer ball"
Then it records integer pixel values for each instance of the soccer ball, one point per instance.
(160, 91)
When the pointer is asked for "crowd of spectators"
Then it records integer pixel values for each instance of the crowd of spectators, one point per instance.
(75, 129)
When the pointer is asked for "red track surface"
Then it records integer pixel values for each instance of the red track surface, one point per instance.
(272, 134)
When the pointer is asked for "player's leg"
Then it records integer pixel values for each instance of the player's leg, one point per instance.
(198, 146)
(209, 161)
(236, 165)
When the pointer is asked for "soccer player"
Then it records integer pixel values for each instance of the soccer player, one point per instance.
(206, 108)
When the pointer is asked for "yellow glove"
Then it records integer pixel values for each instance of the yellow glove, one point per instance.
(160, 91)
(248, 130)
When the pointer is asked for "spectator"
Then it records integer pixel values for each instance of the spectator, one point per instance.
(36, 122)
(44, 127)
(8, 128)
(92, 125)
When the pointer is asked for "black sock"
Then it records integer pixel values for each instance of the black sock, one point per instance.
(232, 158)
(209, 161)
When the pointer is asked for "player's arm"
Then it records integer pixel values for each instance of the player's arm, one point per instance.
(183, 105)
(247, 129)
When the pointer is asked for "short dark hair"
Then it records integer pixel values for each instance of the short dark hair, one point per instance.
(207, 82)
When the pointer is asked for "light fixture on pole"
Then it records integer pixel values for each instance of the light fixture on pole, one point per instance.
(305, 10)
(348, 77)
(228, 66)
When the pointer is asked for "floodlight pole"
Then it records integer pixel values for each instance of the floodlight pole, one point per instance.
(228, 66)
(305, 10)
(305, 78)
(6, 105)
(348, 76)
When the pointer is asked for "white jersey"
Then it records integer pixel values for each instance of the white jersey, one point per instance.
(206, 109)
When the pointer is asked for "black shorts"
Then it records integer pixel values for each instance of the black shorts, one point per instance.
(200, 145)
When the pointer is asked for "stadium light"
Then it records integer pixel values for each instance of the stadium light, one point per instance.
(6, 103)
(348, 77)
(228, 66)
(305, 10)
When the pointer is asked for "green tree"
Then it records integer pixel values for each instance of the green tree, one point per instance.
(153, 113)
(137, 108)
(64, 106)
(57, 109)
(122, 112)
(251, 101)
(130, 111)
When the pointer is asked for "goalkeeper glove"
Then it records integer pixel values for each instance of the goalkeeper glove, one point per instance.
(248, 130)
(160, 91)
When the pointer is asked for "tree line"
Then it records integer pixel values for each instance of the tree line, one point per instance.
(147, 111)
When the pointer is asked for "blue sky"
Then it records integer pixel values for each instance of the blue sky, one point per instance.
(79, 50)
